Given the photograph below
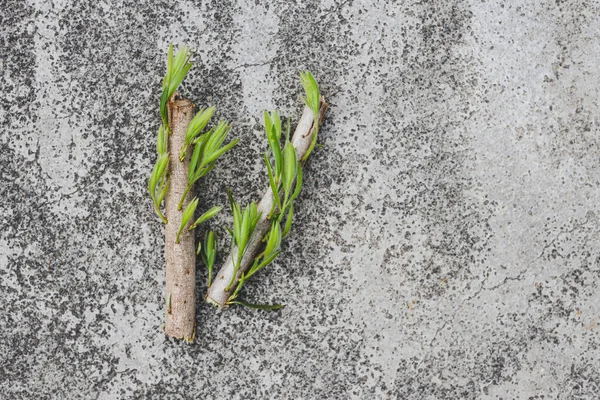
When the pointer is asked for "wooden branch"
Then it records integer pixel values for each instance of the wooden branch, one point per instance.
(180, 257)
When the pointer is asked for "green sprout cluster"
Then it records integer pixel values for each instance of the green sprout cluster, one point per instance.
(208, 252)
(313, 101)
(285, 179)
(244, 222)
(177, 69)
(207, 149)
(188, 213)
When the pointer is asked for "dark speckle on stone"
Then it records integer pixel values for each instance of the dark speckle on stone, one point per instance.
(445, 245)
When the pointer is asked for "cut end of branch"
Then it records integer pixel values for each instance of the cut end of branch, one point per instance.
(214, 302)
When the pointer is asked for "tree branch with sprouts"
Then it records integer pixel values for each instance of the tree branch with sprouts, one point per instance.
(257, 229)
(185, 154)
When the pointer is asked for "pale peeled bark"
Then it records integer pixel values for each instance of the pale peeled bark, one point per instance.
(180, 257)
(217, 293)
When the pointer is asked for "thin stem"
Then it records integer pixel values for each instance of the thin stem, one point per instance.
(180, 204)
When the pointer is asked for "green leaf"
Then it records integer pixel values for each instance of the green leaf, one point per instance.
(210, 253)
(276, 125)
(268, 124)
(288, 220)
(188, 213)
(210, 241)
(181, 59)
(206, 216)
(313, 139)
(177, 69)
(163, 192)
(202, 170)
(311, 89)
(289, 168)
(273, 129)
(274, 185)
(313, 101)
(237, 217)
(169, 66)
(244, 223)
(274, 240)
(278, 157)
(214, 156)
(161, 142)
(183, 196)
(298, 187)
(164, 114)
(197, 124)
(267, 307)
(194, 161)
(258, 266)
(255, 215)
(199, 248)
(214, 141)
(158, 172)
(245, 228)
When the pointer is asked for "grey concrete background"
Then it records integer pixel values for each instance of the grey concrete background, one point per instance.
(446, 244)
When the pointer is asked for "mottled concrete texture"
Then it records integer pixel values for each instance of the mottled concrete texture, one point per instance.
(446, 244)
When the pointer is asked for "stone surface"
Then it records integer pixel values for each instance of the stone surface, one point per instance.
(446, 242)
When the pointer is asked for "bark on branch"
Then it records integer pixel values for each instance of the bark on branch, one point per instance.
(180, 257)
(217, 293)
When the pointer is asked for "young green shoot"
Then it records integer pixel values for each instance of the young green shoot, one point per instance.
(188, 213)
(244, 222)
(158, 184)
(285, 175)
(207, 149)
(177, 69)
(206, 216)
(313, 101)
(262, 260)
(196, 126)
(209, 253)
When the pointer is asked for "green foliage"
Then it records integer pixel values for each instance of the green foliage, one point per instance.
(290, 169)
(313, 101)
(206, 216)
(158, 184)
(196, 126)
(161, 141)
(284, 169)
(273, 130)
(285, 179)
(177, 69)
(207, 149)
(188, 213)
(288, 220)
(209, 253)
(244, 222)
(262, 260)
